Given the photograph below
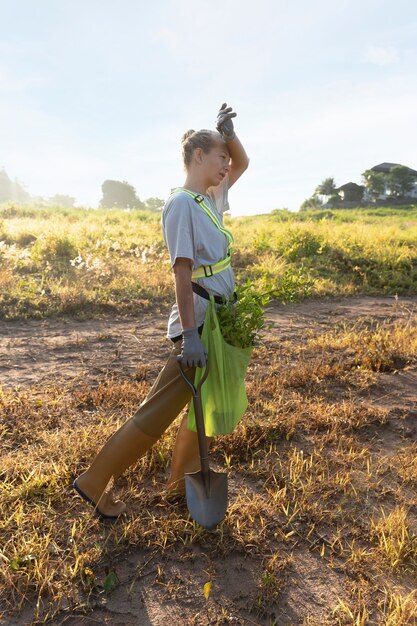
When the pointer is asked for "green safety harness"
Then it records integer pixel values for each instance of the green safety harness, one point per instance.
(223, 394)
(205, 271)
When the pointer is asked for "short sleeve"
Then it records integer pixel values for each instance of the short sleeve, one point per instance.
(178, 229)
(219, 195)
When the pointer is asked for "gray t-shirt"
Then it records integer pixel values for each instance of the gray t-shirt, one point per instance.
(190, 233)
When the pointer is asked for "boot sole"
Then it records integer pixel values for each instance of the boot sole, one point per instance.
(97, 511)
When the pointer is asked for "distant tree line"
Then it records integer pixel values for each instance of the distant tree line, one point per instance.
(398, 183)
(123, 195)
(12, 189)
(115, 194)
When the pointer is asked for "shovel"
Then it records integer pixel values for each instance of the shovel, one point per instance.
(205, 490)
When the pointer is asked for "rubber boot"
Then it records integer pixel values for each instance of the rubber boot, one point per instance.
(185, 458)
(123, 449)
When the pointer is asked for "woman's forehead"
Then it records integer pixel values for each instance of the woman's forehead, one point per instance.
(221, 146)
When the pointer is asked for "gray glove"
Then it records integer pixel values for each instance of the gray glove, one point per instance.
(224, 122)
(193, 352)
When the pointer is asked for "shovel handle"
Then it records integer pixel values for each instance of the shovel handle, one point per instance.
(190, 383)
(199, 422)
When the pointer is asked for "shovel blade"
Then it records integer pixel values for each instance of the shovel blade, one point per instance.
(208, 510)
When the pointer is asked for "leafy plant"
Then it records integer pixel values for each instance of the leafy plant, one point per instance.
(293, 285)
(242, 322)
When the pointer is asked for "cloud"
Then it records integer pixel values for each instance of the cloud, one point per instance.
(382, 55)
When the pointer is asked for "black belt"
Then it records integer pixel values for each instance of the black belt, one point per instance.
(200, 291)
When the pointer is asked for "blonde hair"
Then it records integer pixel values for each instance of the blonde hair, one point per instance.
(204, 139)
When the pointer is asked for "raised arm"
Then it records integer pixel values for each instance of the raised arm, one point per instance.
(239, 160)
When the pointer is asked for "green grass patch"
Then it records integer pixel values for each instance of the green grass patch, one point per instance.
(87, 262)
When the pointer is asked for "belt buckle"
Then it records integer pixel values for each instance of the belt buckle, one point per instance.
(205, 272)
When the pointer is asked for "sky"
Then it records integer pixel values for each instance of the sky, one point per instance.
(94, 89)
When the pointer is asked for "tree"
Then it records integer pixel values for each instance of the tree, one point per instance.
(19, 192)
(311, 203)
(119, 194)
(326, 188)
(154, 204)
(5, 186)
(334, 200)
(12, 190)
(375, 183)
(400, 181)
(62, 200)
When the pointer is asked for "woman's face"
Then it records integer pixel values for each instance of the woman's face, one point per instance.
(216, 164)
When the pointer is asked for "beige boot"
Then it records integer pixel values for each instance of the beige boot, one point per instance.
(185, 458)
(123, 448)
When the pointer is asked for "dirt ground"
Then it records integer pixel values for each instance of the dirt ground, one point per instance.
(35, 352)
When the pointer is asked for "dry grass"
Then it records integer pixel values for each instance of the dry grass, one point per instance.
(377, 346)
(308, 477)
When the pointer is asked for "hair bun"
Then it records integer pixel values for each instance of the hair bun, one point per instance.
(186, 135)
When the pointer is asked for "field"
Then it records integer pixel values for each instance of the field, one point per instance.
(92, 262)
(321, 528)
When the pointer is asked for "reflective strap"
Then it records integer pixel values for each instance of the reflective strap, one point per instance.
(205, 271)
(200, 201)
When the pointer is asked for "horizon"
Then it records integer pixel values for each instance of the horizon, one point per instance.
(51, 200)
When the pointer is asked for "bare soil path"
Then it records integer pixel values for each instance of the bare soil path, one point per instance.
(33, 352)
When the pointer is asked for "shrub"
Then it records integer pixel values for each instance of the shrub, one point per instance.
(302, 244)
(24, 239)
(54, 248)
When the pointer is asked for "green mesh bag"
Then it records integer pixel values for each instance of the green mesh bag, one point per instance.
(223, 394)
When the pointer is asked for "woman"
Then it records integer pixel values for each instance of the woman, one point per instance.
(197, 242)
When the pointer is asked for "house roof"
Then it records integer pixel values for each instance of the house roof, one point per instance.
(349, 185)
(386, 168)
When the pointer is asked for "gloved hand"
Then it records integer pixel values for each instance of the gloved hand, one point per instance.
(193, 352)
(224, 122)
